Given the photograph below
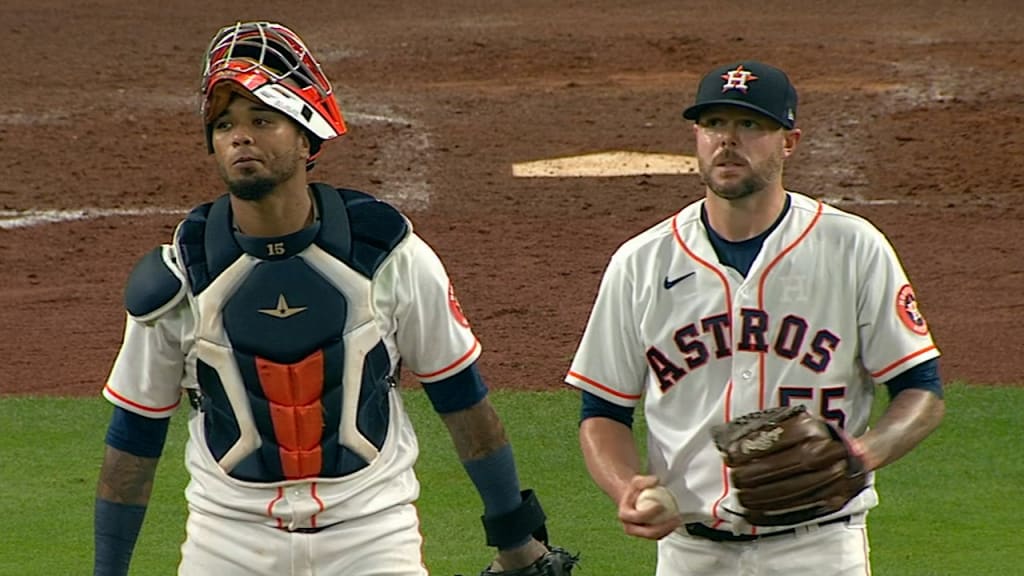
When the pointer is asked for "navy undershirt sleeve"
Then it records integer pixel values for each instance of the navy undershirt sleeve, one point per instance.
(924, 376)
(593, 405)
(136, 434)
(457, 392)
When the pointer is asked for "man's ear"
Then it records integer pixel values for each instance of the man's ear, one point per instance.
(789, 143)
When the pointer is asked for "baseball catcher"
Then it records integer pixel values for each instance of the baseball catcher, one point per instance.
(789, 466)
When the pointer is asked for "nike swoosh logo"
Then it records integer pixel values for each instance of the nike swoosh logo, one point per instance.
(669, 283)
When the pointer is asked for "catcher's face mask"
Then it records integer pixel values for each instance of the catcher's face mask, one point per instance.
(271, 63)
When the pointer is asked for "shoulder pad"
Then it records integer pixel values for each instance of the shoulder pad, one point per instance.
(155, 285)
(359, 229)
(377, 228)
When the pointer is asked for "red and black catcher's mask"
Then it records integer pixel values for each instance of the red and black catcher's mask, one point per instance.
(268, 62)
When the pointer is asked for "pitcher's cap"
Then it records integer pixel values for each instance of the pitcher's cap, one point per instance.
(749, 84)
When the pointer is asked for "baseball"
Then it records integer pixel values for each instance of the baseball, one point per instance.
(658, 496)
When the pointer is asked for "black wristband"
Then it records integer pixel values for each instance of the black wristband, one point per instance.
(516, 526)
(116, 528)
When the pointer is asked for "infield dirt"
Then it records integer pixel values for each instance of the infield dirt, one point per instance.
(912, 113)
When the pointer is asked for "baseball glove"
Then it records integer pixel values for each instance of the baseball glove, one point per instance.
(789, 466)
(556, 562)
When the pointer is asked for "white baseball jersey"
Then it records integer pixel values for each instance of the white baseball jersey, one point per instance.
(825, 313)
(408, 304)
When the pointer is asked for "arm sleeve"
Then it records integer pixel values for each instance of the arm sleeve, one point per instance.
(116, 528)
(433, 336)
(610, 361)
(496, 480)
(457, 392)
(137, 435)
(593, 406)
(893, 332)
(924, 376)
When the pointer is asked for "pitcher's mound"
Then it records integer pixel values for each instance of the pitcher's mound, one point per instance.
(616, 163)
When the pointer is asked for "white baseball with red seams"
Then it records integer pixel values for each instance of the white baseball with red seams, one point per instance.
(699, 344)
(658, 496)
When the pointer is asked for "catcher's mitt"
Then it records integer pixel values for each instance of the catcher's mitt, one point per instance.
(556, 562)
(507, 529)
(788, 466)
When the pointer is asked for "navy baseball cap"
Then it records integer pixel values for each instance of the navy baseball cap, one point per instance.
(749, 84)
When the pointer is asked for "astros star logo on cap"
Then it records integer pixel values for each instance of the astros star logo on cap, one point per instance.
(737, 79)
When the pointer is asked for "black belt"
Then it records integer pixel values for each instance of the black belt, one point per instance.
(702, 531)
(308, 530)
(305, 530)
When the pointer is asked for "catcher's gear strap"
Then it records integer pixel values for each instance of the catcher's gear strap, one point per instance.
(511, 528)
(155, 285)
(356, 228)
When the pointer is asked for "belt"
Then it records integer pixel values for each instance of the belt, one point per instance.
(308, 530)
(703, 531)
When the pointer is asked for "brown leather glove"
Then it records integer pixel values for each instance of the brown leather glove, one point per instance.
(788, 465)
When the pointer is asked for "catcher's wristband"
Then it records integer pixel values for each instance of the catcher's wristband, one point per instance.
(512, 528)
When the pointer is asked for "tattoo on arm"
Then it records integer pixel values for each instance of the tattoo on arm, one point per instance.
(476, 431)
(126, 478)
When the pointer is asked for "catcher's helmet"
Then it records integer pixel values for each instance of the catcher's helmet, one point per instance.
(270, 62)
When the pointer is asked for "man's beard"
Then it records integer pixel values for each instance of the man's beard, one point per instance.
(761, 175)
(254, 188)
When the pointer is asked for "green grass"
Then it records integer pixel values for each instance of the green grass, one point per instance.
(949, 508)
(952, 506)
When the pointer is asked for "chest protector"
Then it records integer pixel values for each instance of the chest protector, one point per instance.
(294, 376)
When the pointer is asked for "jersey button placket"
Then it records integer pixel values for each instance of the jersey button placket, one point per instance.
(295, 497)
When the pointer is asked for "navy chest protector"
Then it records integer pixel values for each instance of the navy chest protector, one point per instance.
(294, 375)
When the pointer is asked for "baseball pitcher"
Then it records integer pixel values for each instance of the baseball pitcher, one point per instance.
(753, 327)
